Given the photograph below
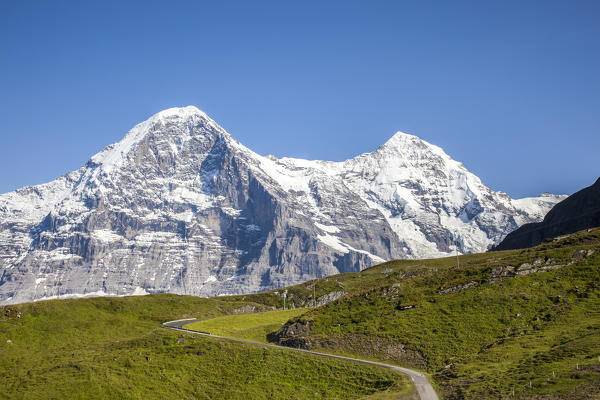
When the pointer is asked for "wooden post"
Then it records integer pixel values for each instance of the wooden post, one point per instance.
(457, 262)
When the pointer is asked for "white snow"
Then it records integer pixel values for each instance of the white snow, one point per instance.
(106, 236)
(337, 244)
(327, 228)
(373, 257)
(115, 155)
(138, 291)
(231, 211)
(333, 242)
(288, 179)
(534, 206)
(98, 293)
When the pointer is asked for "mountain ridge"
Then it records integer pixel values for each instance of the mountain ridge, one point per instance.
(579, 211)
(179, 205)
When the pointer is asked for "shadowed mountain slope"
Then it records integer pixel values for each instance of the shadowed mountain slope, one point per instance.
(579, 211)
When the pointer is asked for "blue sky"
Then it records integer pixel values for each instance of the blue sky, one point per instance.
(510, 88)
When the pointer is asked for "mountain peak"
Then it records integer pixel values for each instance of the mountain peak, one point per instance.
(181, 112)
(407, 144)
(401, 138)
(113, 155)
(178, 205)
(399, 135)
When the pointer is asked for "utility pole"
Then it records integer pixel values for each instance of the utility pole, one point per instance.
(58, 286)
(315, 294)
(457, 262)
(284, 297)
(182, 281)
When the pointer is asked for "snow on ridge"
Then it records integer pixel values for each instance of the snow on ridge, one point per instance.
(138, 291)
(400, 136)
(344, 248)
(327, 228)
(402, 143)
(106, 236)
(113, 155)
(431, 202)
(532, 206)
(396, 175)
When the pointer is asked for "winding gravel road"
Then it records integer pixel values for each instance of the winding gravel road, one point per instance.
(424, 388)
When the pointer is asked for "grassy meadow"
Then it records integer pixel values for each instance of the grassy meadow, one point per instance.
(254, 326)
(115, 348)
(479, 333)
(501, 325)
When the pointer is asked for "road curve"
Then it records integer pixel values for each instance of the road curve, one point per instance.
(424, 388)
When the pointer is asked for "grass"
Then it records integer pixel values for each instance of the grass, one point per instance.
(255, 326)
(479, 335)
(115, 348)
(482, 341)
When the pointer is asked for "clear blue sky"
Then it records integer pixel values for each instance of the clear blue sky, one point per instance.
(510, 88)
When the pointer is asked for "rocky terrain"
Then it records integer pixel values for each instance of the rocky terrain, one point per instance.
(579, 211)
(178, 205)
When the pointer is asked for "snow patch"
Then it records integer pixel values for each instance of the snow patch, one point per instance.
(106, 236)
(327, 228)
(115, 155)
(138, 291)
(333, 242)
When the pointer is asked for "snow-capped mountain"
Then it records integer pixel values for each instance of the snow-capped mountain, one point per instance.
(180, 206)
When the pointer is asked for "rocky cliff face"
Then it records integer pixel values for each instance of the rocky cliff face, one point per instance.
(180, 206)
(579, 211)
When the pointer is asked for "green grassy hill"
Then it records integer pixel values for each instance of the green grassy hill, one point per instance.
(526, 321)
(115, 348)
(512, 324)
(254, 326)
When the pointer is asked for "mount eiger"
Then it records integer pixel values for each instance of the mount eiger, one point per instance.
(180, 206)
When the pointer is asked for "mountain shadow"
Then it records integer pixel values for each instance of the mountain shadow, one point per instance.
(578, 211)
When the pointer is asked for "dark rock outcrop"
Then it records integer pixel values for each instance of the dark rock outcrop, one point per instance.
(293, 334)
(579, 211)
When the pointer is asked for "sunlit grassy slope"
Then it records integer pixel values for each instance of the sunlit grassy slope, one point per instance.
(254, 326)
(114, 348)
(480, 332)
(524, 321)
(481, 328)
